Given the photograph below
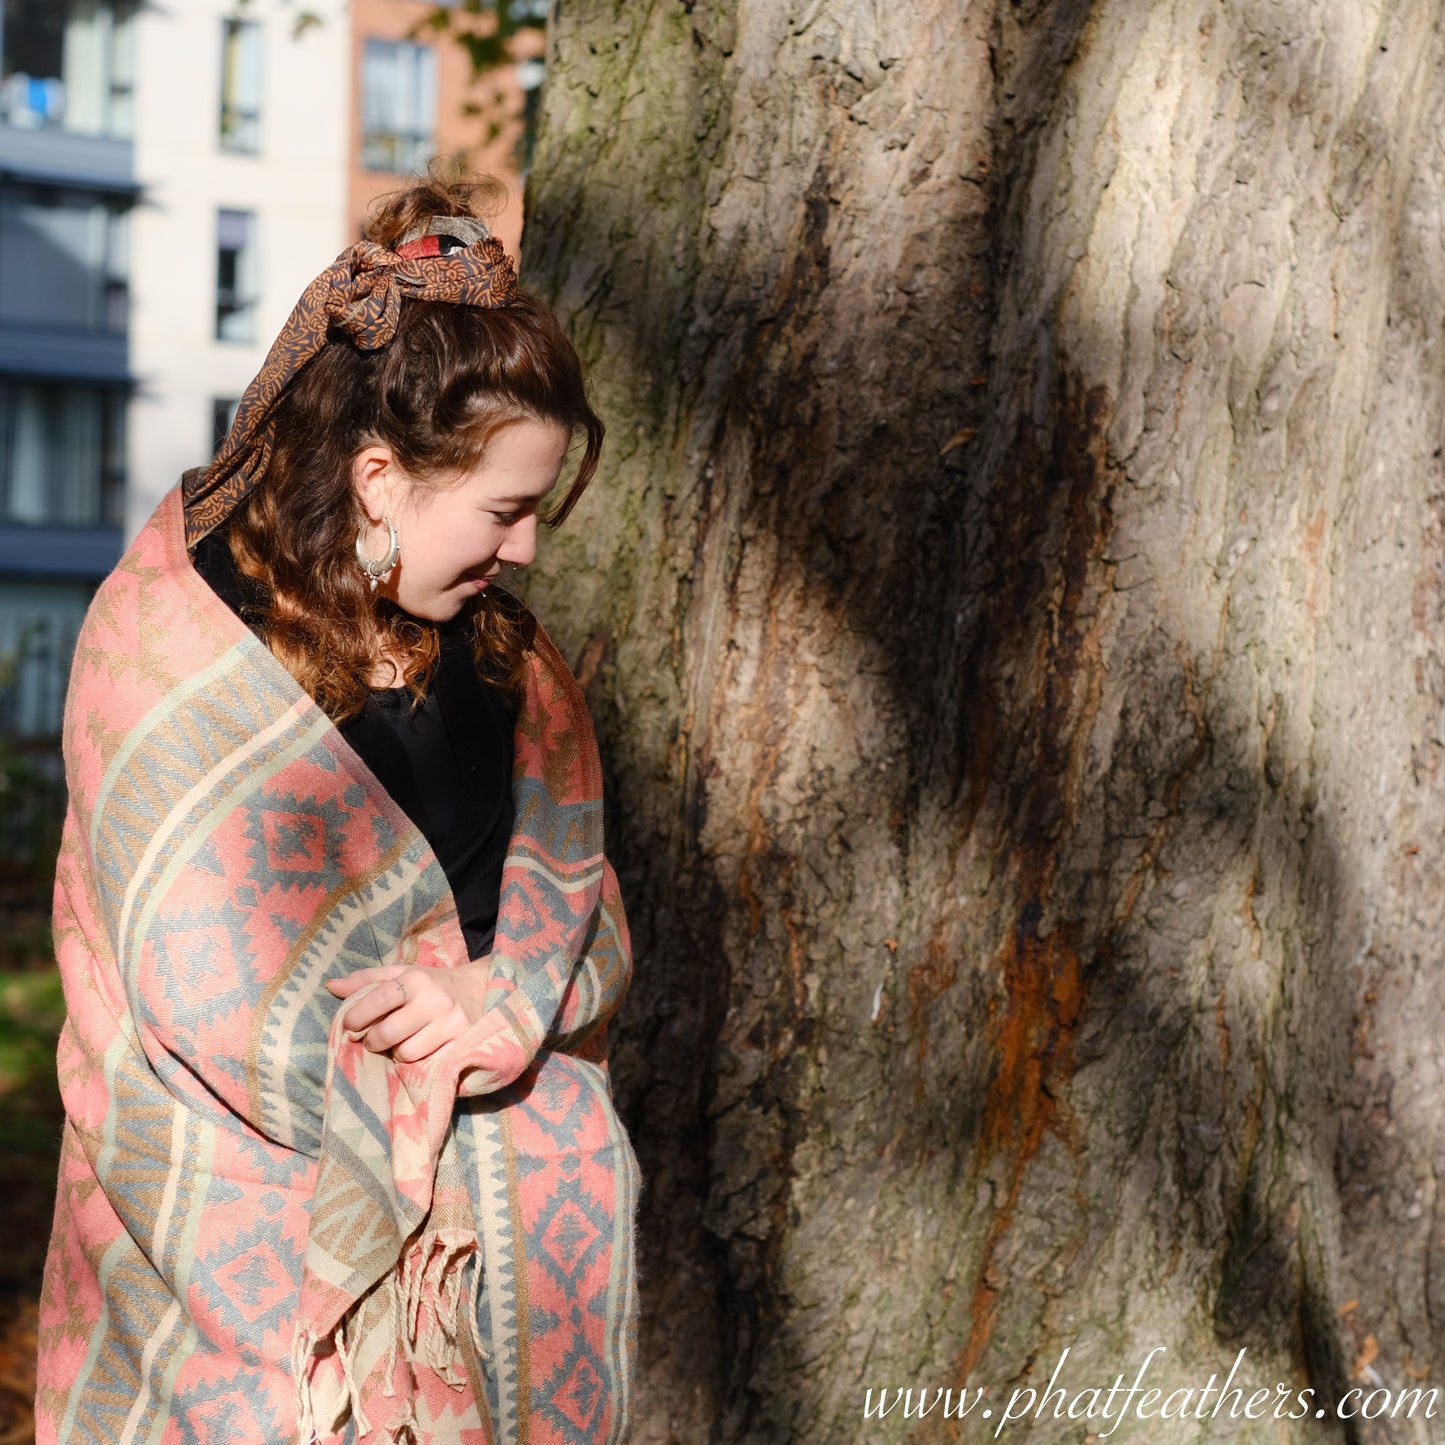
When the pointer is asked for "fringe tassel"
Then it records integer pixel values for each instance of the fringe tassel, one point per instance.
(301, 1374)
(425, 1293)
(434, 1274)
(404, 1431)
(353, 1393)
(443, 1351)
(393, 1343)
(410, 1280)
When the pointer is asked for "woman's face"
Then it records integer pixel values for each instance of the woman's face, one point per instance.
(455, 536)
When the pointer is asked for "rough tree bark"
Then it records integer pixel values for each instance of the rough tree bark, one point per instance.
(1014, 609)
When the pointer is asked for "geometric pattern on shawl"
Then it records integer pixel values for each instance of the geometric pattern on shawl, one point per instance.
(264, 1232)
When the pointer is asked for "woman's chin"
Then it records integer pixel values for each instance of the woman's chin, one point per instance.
(433, 609)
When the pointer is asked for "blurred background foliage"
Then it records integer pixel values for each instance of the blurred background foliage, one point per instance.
(492, 48)
(32, 1009)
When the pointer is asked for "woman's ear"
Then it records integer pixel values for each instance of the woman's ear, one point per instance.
(373, 477)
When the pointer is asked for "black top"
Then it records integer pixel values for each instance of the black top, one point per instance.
(447, 762)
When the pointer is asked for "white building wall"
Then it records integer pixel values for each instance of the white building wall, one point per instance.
(296, 184)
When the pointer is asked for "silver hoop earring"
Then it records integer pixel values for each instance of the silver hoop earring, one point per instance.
(377, 568)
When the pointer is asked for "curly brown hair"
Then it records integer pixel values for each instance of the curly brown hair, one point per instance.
(436, 394)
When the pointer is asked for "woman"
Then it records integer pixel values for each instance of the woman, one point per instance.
(314, 754)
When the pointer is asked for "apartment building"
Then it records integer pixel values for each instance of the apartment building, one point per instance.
(67, 197)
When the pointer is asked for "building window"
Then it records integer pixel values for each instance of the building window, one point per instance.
(62, 451)
(398, 105)
(63, 258)
(223, 413)
(39, 622)
(68, 65)
(236, 276)
(241, 85)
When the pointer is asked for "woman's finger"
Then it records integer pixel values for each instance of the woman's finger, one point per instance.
(424, 1042)
(388, 997)
(392, 1029)
(355, 982)
(417, 1002)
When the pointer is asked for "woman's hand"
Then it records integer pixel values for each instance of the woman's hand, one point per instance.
(415, 1011)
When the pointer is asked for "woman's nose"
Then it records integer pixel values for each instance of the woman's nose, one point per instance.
(521, 545)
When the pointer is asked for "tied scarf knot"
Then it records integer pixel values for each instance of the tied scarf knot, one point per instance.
(360, 293)
(364, 295)
(365, 301)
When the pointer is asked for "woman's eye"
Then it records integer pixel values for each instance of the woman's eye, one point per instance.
(505, 518)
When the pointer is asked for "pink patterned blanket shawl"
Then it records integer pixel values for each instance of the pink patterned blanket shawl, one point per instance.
(265, 1233)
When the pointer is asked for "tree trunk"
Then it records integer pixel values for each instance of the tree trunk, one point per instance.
(1013, 608)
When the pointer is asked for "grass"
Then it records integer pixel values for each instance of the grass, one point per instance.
(32, 1010)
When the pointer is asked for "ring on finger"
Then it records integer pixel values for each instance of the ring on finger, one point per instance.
(402, 987)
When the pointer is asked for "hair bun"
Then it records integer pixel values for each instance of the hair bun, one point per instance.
(448, 192)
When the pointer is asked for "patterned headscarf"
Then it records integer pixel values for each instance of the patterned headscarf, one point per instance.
(361, 292)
